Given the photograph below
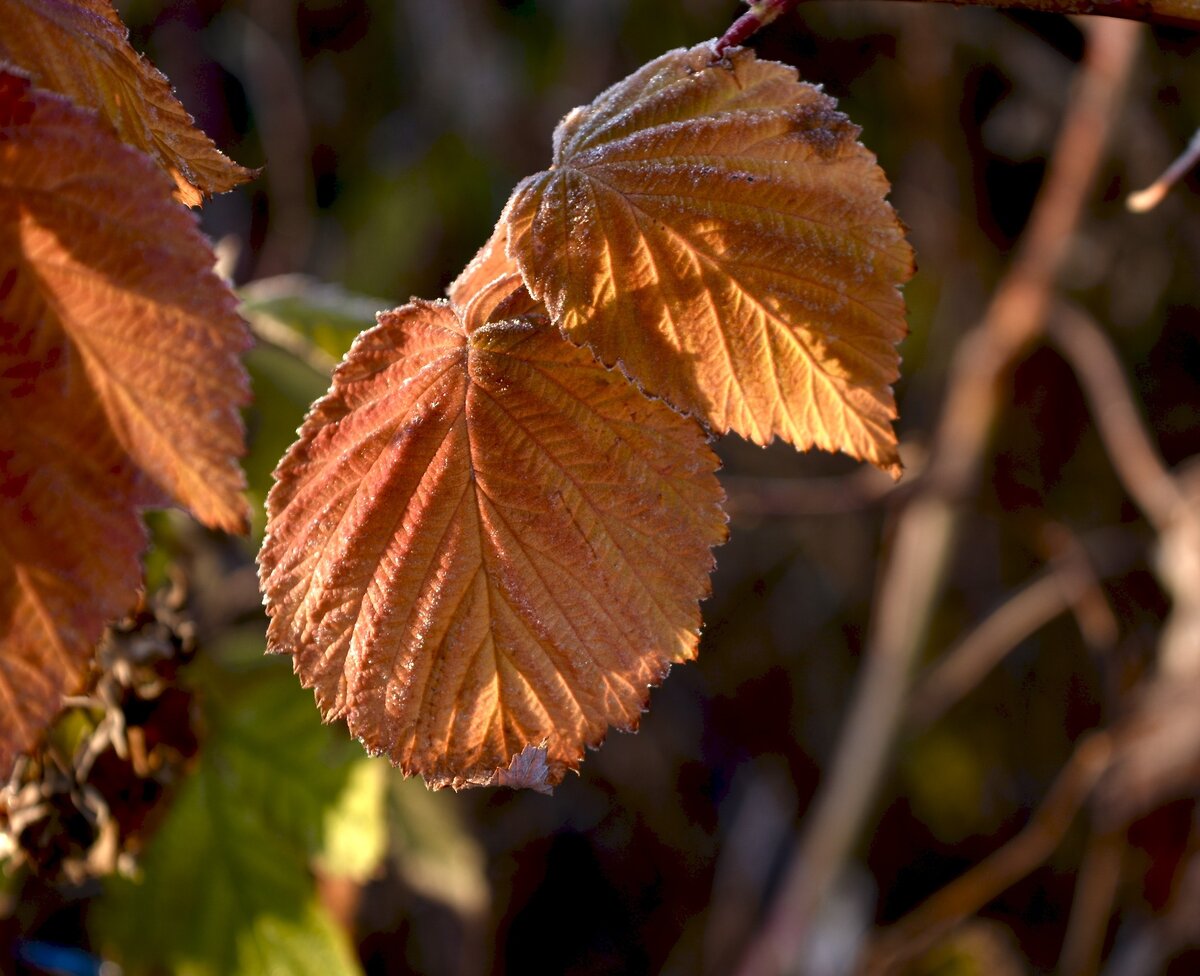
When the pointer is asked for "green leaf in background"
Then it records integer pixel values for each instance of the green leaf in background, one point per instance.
(284, 387)
(227, 885)
(355, 835)
(324, 315)
(302, 328)
(436, 853)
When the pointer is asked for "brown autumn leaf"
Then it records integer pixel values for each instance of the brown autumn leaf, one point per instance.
(716, 229)
(81, 49)
(119, 389)
(485, 546)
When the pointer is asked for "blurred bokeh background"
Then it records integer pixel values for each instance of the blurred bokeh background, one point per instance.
(390, 133)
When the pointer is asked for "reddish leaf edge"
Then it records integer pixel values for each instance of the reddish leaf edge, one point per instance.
(529, 767)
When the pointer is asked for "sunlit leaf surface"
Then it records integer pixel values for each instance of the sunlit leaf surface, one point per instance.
(717, 230)
(486, 541)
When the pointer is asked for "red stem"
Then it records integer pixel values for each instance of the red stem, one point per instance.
(758, 16)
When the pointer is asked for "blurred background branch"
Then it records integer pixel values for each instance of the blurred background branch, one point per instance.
(926, 530)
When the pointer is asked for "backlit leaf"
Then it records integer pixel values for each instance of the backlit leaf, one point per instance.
(81, 49)
(119, 389)
(716, 229)
(484, 540)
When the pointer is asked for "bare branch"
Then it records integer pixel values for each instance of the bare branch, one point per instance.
(794, 497)
(1152, 196)
(1172, 13)
(964, 896)
(1133, 454)
(761, 13)
(1068, 582)
(926, 531)
(1095, 892)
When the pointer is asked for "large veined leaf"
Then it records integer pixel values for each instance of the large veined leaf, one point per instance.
(119, 389)
(485, 546)
(81, 49)
(715, 227)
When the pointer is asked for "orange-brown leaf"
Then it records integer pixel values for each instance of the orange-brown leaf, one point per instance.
(490, 263)
(716, 229)
(81, 49)
(490, 287)
(485, 546)
(119, 389)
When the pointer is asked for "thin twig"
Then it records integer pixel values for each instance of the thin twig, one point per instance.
(1152, 196)
(1127, 442)
(805, 497)
(1171, 13)
(912, 578)
(1095, 891)
(1167, 501)
(963, 667)
(924, 925)
(1062, 587)
(1094, 615)
(761, 13)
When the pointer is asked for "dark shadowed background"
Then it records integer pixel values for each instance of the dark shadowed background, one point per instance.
(390, 134)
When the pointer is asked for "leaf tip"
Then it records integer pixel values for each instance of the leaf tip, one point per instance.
(529, 770)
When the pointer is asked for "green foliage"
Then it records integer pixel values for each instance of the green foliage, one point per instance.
(227, 885)
(304, 327)
(436, 852)
(355, 833)
(324, 314)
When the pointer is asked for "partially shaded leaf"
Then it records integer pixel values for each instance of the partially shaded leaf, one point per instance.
(716, 229)
(119, 389)
(485, 540)
(81, 49)
(528, 770)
